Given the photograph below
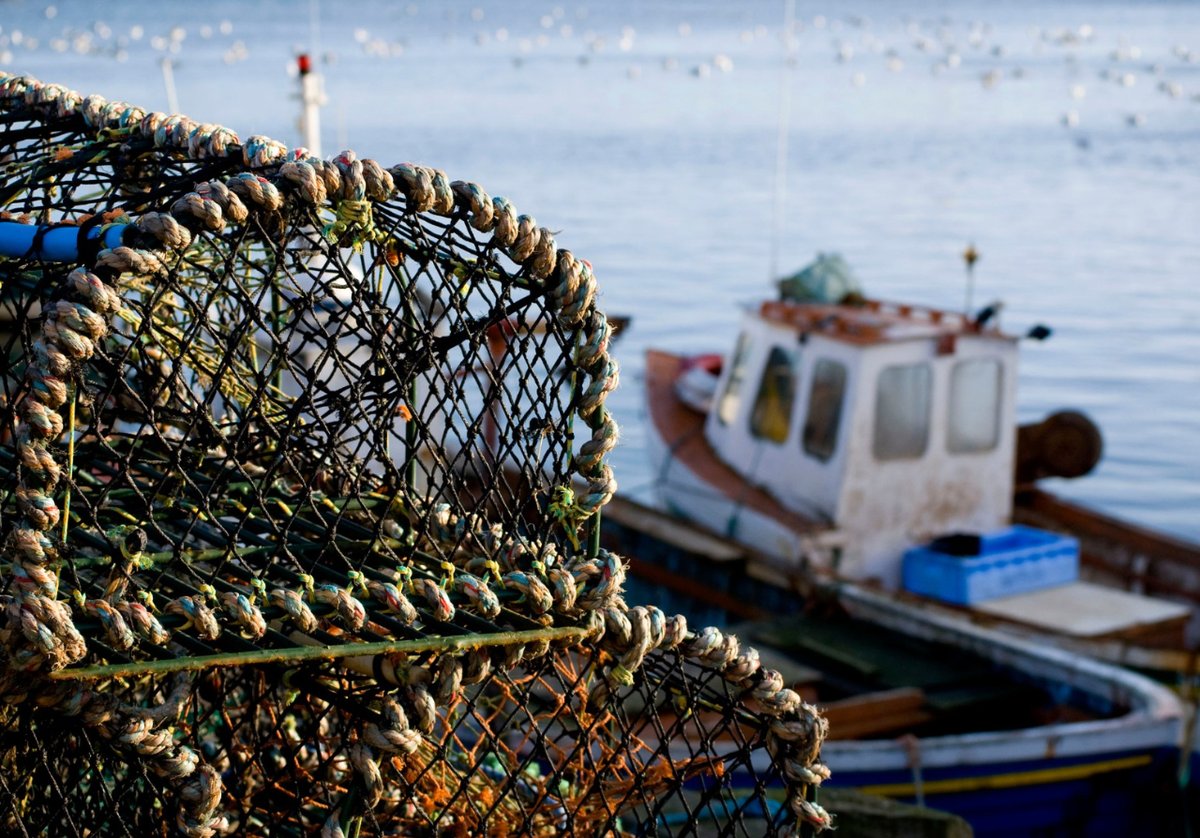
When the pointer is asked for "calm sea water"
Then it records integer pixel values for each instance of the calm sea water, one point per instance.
(1063, 139)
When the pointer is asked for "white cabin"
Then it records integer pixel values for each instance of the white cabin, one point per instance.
(894, 424)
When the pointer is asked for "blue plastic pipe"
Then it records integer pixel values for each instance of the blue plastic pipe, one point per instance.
(57, 244)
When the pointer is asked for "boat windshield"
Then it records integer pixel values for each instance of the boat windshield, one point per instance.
(776, 393)
(731, 399)
(902, 402)
(825, 397)
(974, 424)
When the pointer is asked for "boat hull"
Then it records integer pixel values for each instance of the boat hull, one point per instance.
(1105, 776)
(1099, 794)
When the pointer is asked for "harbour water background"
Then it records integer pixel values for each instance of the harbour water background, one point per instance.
(1063, 139)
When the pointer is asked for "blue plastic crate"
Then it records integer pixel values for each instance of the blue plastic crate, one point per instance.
(1010, 561)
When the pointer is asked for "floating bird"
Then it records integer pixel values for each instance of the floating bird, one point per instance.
(1172, 88)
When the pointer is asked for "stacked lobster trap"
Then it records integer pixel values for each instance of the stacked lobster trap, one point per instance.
(303, 463)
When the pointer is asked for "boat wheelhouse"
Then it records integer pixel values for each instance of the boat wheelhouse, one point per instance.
(877, 426)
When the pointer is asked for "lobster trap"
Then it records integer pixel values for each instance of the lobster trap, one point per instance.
(303, 463)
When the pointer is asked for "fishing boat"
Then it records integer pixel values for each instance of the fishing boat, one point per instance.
(1015, 737)
(876, 443)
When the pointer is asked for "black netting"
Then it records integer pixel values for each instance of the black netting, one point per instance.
(303, 463)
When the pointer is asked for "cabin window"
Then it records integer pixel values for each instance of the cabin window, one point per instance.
(825, 398)
(776, 393)
(731, 399)
(902, 400)
(974, 424)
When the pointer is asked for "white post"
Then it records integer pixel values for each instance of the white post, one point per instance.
(311, 99)
(168, 71)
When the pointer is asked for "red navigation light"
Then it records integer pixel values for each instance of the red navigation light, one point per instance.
(304, 63)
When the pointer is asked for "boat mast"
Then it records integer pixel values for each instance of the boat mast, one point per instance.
(970, 257)
(781, 143)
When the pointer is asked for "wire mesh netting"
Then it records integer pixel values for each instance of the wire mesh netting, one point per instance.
(303, 463)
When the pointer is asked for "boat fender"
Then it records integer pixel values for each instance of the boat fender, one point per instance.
(1064, 444)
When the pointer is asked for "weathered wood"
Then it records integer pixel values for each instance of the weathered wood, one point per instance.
(694, 588)
(683, 431)
(669, 530)
(1090, 523)
(1133, 556)
(888, 712)
(1083, 609)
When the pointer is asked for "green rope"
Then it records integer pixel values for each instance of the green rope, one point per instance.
(296, 654)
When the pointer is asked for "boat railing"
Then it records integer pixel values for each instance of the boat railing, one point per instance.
(867, 322)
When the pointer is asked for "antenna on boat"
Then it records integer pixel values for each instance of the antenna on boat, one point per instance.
(781, 146)
(970, 257)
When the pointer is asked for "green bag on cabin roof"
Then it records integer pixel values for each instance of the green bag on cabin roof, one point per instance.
(827, 280)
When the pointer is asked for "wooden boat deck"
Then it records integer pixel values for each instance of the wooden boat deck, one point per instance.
(1087, 610)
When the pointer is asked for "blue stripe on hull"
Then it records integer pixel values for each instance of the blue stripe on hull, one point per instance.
(1143, 800)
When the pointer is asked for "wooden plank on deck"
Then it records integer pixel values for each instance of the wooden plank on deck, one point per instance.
(1083, 609)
